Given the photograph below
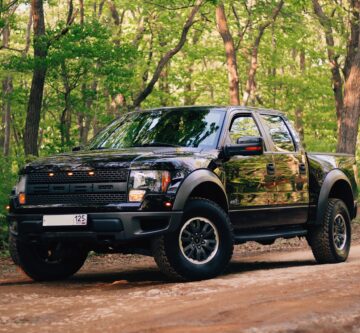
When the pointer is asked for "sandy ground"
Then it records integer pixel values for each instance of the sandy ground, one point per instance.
(265, 289)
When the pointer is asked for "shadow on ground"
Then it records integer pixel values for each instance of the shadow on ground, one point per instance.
(152, 276)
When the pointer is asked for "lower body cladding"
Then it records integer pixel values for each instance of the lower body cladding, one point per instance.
(102, 229)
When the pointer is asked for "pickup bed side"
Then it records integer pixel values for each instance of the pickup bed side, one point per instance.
(331, 176)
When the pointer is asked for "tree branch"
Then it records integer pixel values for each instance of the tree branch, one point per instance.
(169, 8)
(165, 59)
(69, 21)
(241, 31)
(250, 83)
(3, 47)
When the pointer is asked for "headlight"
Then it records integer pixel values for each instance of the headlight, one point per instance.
(20, 190)
(20, 186)
(147, 181)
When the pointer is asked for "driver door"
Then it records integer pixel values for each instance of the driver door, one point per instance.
(250, 180)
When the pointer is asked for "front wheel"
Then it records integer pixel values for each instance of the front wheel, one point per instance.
(50, 262)
(201, 248)
(330, 241)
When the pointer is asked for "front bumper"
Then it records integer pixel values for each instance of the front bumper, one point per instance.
(104, 227)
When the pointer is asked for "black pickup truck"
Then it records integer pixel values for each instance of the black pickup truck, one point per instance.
(185, 185)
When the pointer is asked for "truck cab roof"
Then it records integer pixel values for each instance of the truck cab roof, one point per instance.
(228, 108)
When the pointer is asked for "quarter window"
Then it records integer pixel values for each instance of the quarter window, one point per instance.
(279, 133)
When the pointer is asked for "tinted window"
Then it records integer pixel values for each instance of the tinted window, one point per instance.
(279, 133)
(185, 128)
(243, 126)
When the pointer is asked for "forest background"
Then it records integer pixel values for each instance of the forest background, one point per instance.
(67, 68)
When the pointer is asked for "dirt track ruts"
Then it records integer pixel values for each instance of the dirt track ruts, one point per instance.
(269, 292)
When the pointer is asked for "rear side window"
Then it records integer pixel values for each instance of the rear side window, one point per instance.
(279, 133)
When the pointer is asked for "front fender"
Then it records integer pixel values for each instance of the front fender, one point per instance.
(331, 178)
(191, 182)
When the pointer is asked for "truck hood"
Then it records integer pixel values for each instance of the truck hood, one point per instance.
(135, 158)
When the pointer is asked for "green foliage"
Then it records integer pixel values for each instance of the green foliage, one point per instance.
(8, 177)
(96, 68)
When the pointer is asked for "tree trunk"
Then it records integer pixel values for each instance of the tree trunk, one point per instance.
(299, 111)
(347, 103)
(231, 62)
(117, 104)
(7, 90)
(5, 105)
(38, 80)
(28, 32)
(65, 120)
(333, 59)
(349, 125)
(85, 118)
(164, 85)
(82, 11)
(166, 58)
(188, 99)
(118, 20)
(250, 83)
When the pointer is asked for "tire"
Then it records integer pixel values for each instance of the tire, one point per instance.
(46, 263)
(330, 241)
(183, 256)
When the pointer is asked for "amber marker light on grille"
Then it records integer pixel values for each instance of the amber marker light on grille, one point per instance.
(22, 198)
(70, 174)
(7, 207)
(136, 195)
(91, 173)
(51, 174)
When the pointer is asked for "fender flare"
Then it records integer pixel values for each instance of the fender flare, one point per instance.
(193, 180)
(331, 178)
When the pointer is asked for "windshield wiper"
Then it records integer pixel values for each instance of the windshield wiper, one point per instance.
(156, 144)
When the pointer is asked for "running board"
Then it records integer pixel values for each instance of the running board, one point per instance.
(268, 235)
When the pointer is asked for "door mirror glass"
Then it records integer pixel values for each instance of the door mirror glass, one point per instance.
(245, 146)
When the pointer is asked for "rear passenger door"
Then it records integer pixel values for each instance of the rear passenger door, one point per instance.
(291, 170)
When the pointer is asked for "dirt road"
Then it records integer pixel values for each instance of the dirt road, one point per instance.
(266, 292)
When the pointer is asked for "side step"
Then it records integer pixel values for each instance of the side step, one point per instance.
(264, 235)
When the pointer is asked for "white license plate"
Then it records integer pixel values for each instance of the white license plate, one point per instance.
(63, 220)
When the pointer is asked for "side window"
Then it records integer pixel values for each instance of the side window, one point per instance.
(279, 133)
(243, 126)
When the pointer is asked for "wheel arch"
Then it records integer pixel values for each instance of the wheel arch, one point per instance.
(336, 185)
(201, 183)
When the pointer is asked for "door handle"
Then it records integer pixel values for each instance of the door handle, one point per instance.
(270, 168)
(302, 169)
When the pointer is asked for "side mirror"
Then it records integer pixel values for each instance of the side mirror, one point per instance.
(245, 146)
(77, 148)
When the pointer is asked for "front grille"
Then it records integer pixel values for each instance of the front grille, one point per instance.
(76, 198)
(100, 176)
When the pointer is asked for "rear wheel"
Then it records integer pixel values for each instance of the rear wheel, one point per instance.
(201, 248)
(55, 261)
(330, 241)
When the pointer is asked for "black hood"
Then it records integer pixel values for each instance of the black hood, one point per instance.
(135, 158)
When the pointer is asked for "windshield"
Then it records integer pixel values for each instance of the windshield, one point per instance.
(162, 128)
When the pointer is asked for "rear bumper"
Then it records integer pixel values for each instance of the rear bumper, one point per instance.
(105, 227)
